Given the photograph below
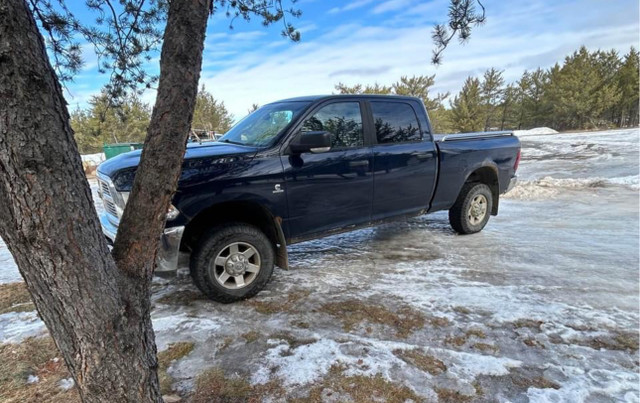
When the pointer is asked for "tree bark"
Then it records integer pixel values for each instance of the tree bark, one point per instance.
(96, 308)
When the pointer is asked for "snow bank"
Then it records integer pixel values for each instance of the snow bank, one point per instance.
(93, 159)
(535, 131)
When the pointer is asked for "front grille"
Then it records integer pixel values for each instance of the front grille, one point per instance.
(110, 207)
(107, 197)
(105, 188)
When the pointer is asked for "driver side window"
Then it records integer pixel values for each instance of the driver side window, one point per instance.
(343, 120)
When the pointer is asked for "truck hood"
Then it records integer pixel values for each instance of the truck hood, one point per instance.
(208, 150)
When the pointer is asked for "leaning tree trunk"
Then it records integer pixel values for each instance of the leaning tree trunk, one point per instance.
(96, 307)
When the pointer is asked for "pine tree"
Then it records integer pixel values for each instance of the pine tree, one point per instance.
(628, 83)
(210, 114)
(491, 92)
(106, 122)
(467, 108)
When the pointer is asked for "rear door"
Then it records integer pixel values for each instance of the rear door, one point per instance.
(331, 190)
(404, 159)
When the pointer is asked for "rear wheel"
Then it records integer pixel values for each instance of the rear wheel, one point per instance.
(472, 209)
(232, 262)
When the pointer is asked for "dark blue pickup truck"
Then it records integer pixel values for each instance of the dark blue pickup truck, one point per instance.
(309, 167)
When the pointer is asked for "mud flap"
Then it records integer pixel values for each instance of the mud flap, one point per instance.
(282, 258)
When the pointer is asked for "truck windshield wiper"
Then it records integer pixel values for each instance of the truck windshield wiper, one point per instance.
(232, 142)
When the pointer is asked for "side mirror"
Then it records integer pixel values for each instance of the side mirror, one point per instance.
(315, 142)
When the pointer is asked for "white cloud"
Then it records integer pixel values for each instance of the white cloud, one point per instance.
(349, 6)
(391, 5)
(514, 39)
(256, 68)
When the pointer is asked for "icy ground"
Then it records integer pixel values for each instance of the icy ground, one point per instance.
(548, 291)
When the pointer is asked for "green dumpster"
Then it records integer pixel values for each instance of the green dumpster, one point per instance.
(111, 150)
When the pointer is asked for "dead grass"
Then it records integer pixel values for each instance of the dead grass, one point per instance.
(353, 312)
(37, 357)
(293, 341)
(476, 333)
(461, 310)
(439, 321)
(451, 396)
(485, 348)
(622, 341)
(530, 323)
(289, 304)
(422, 361)
(14, 297)
(537, 382)
(251, 336)
(226, 342)
(213, 386)
(182, 298)
(533, 343)
(457, 341)
(359, 388)
(174, 352)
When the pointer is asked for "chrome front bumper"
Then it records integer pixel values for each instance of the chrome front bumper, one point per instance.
(168, 250)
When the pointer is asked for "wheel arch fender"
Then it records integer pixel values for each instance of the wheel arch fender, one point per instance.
(487, 173)
(247, 211)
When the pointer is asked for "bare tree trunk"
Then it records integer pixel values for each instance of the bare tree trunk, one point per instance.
(97, 312)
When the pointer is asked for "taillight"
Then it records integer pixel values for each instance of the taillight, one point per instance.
(515, 166)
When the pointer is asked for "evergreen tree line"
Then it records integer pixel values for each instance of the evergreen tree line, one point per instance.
(588, 90)
(103, 122)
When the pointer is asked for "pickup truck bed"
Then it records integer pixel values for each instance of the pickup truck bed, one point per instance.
(309, 167)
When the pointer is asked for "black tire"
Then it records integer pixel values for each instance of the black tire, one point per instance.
(459, 217)
(213, 243)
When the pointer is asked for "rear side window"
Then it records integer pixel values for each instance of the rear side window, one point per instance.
(395, 122)
(343, 120)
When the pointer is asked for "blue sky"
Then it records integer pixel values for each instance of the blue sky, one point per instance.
(367, 41)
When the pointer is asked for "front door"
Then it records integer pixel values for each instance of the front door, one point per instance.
(331, 190)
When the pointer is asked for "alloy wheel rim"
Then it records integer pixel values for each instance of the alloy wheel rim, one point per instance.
(236, 266)
(477, 209)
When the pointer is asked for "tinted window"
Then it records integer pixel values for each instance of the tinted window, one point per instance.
(395, 122)
(342, 120)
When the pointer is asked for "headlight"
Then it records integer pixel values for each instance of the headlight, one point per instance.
(173, 213)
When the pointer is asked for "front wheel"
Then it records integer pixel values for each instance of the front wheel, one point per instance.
(232, 262)
(472, 209)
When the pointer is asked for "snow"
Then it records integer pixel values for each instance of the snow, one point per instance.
(557, 269)
(17, 326)
(535, 132)
(33, 379)
(66, 384)
(93, 159)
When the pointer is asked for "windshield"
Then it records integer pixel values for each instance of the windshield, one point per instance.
(261, 127)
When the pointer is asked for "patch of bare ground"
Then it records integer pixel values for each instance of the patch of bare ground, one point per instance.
(292, 341)
(38, 360)
(529, 323)
(182, 298)
(212, 386)
(422, 361)
(621, 341)
(485, 347)
(353, 312)
(14, 297)
(460, 340)
(174, 352)
(533, 343)
(515, 383)
(288, 304)
(451, 396)
(251, 336)
(337, 386)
